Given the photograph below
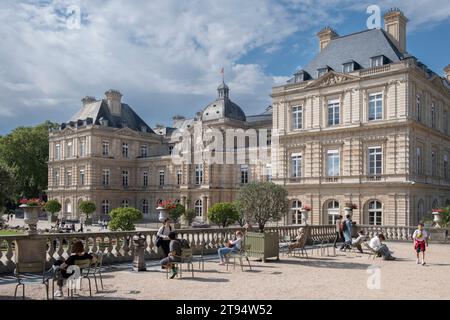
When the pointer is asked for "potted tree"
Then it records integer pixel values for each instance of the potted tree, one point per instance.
(123, 219)
(223, 214)
(176, 213)
(263, 202)
(88, 208)
(52, 207)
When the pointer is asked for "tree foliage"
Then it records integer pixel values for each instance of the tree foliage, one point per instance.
(87, 207)
(177, 212)
(223, 214)
(52, 206)
(6, 187)
(123, 219)
(189, 215)
(261, 202)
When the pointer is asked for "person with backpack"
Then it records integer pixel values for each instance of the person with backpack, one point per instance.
(162, 237)
(232, 245)
(174, 255)
(347, 231)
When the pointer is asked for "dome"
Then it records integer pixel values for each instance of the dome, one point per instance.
(223, 108)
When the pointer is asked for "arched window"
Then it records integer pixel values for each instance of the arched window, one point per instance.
(332, 211)
(375, 213)
(198, 208)
(435, 204)
(105, 206)
(68, 207)
(420, 211)
(144, 206)
(296, 213)
(125, 204)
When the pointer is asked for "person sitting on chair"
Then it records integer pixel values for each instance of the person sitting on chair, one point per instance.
(301, 240)
(234, 245)
(78, 253)
(174, 254)
(359, 240)
(381, 248)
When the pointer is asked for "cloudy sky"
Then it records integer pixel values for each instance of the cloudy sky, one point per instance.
(165, 55)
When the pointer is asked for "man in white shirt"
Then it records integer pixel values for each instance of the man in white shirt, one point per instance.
(382, 249)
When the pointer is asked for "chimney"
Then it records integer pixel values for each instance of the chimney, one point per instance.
(395, 25)
(87, 100)
(114, 100)
(447, 72)
(325, 36)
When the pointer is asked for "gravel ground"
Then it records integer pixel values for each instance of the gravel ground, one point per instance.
(345, 276)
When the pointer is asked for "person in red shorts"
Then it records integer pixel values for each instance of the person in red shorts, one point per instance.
(420, 237)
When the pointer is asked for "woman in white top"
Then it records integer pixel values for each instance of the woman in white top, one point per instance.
(232, 245)
(163, 234)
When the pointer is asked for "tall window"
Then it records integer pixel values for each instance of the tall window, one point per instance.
(296, 162)
(433, 115)
(375, 106)
(269, 137)
(82, 177)
(179, 176)
(57, 151)
(420, 211)
(296, 212)
(332, 211)
(297, 118)
(198, 174)
(105, 148)
(198, 206)
(82, 147)
(418, 108)
(445, 121)
(105, 206)
(333, 113)
(125, 178)
(161, 177)
(419, 162)
(144, 151)
(125, 204)
(333, 163)
(433, 163)
(145, 179)
(375, 213)
(244, 174)
(375, 161)
(68, 177)
(268, 172)
(144, 206)
(445, 166)
(125, 150)
(56, 177)
(69, 152)
(106, 173)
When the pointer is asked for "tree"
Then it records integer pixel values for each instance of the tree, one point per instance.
(123, 219)
(223, 214)
(177, 212)
(261, 202)
(52, 206)
(24, 152)
(87, 207)
(189, 215)
(241, 218)
(6, 187)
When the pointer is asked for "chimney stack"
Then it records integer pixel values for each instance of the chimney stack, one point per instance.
(395, 25)
(325, 36)
(87, 100)
(447, 72)
(114, 100)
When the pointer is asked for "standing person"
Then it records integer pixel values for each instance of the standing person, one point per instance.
(347, 231)
(339, 234)
(174, 254)
(162, 237)
(232, 245)
(420, 237)
(382, 249)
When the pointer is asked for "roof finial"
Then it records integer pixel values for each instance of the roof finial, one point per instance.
(222, 71)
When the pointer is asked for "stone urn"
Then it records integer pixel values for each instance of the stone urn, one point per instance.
(139, 252)
(437, 218)
(163, 214)
(31, 217)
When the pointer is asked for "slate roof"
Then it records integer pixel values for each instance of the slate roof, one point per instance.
(265, 116)
(223, 108)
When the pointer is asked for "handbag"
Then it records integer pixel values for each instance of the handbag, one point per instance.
(159, 239)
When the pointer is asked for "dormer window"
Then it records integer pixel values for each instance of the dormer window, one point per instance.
(348, 67)
(301, 76)
(377, 61)
(322, 71)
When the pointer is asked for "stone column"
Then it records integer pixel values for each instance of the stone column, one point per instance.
(139, 252)
(205, 207)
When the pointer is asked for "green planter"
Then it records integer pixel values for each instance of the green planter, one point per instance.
(263, 245)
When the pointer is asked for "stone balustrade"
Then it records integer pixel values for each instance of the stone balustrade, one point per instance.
(403, 233)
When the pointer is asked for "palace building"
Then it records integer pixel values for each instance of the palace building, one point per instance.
(363, 122)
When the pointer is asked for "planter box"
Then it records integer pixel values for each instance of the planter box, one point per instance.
(51, 218)
(439, 236)
(263, 245)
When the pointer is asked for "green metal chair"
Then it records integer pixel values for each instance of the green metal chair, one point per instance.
(240, 254)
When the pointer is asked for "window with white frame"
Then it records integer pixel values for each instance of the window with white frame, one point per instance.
(125, 178)
(198, 174)
(179, 177)
(433, 115)
(375, 161)
(198, 207)
(69, 151)
(376, 61)
(106, 174)
(56, 177)
(105, 206)
(57, 151)
(333, 163)
(375, 106)
(105, 148)
(268, 172)
(244, 174)
(296, 212)
(144, 206)
(125, 204)
(145, 179)
(125, 149)
(418, 108)
(68, 177)
(322, 71)
(297, 118)
(296, 165)
(419, 162)
(161, 177)
(82, 177)
(332, 211)
(375, 213)
(333, 112)
(144, 151)
(348, 67)
(82, 147)
(445, 166)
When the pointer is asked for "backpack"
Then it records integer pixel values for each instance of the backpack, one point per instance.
(184, 244)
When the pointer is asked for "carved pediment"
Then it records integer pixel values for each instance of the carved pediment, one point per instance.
(332, 78)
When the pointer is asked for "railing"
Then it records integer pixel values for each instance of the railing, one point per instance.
(375, 70)
(399, 233)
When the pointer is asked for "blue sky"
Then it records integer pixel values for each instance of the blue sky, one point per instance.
(165, 56)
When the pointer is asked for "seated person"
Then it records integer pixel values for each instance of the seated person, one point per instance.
(231, 246)
(78, 253)
(174, 254)
(301, 240)
(379, 247)
(359, 240)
